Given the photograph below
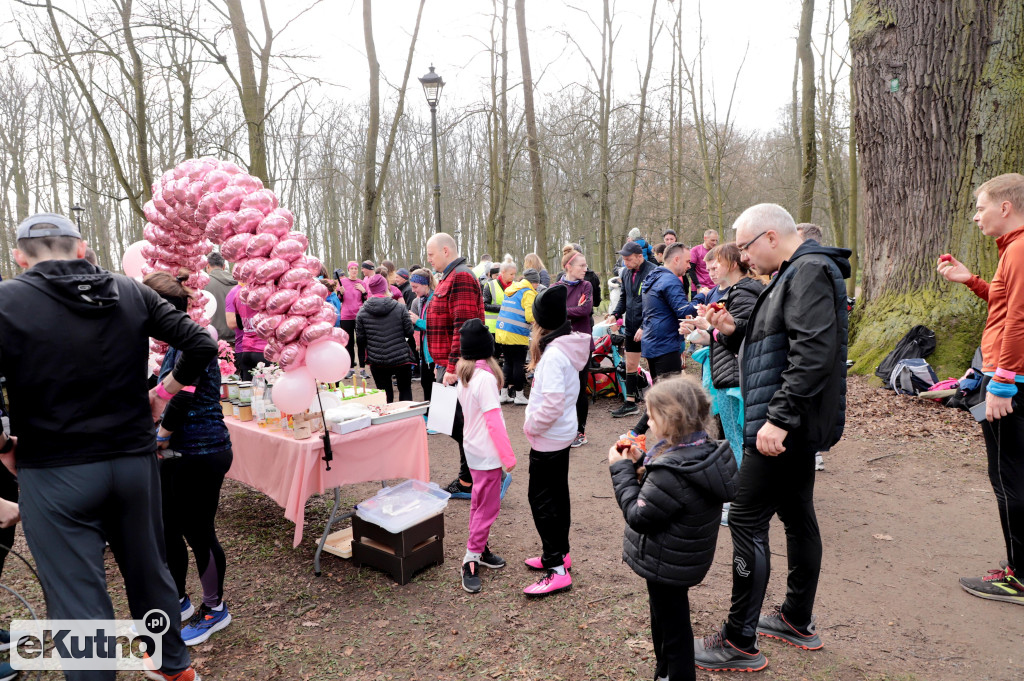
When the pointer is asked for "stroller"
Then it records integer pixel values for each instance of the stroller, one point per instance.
(607, 371)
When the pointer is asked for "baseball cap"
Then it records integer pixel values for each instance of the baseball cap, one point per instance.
(631, 248)
(47, 224)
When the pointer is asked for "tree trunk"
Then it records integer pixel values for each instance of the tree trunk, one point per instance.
(532, 145)
(854, 208)
(141, 118)
(368, 222)
(253, 101)
(932, 125)
(641, 117)
(810, 159)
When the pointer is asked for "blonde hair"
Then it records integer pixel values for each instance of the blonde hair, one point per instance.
(535, 350)
(1006, 187)
(533, 260)
(569, 254)
(681, 405)
(465, 368)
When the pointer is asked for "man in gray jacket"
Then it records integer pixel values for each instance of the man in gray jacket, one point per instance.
(220, 283)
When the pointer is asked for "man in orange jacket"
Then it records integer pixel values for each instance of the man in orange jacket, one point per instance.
(1000, 203)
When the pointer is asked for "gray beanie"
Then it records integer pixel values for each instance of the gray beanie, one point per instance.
(634, 233)
(531, 275)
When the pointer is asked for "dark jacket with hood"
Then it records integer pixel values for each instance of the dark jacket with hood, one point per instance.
(673, 514)
(630, 307)
(739, 300)
(383, 324)
(220, 284)
(665, 303)
(793, 350)
(74, 346)
(408, 295)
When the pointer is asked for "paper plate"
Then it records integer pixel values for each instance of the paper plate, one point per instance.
(328, 399)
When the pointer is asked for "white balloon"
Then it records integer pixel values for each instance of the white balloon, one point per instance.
(209, 304)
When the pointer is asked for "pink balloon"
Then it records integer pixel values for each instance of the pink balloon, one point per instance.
(245, 271)
(315, 331)
(198, 281)
(133, 260)
(293, 357)
(243, 296)
(262, 200)
(289, 249)
(230, 198)
(234, 248)
(327, 313)
(275, 224)
(247, 220)
(231, 168)
(300, 237)
(296, 278)
(247, 182)
(150, 212)
(294, 392)
(259, 296)
(272, 351)
(290, 329)
(158, 202)
(265, 327)
(306, 305)
(280, 302)
(327, 361)
(196, 190)
(310, 263)
(260, 245)
(316, 289)
(216, 180)
(339, 335)
(207, 208)
(271, 270)
(286, 214)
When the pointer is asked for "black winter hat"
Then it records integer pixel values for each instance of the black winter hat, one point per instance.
(475, 340)
(550, 307)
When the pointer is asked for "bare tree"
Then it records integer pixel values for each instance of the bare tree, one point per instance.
(807, 142)
(532, 145)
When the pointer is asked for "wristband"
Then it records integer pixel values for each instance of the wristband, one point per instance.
(162, 393)
(1006, 375)
(1002, 389)
(163, 439)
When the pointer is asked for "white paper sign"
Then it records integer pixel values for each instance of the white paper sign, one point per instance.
(443, 401)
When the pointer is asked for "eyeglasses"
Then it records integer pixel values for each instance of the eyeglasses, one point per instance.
(744, 247)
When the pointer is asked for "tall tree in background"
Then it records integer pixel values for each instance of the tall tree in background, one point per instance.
(533, 148)
(652, 39)
(253, 96)
(939, 108)
(807, 144)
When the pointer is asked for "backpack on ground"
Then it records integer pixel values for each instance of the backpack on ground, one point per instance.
(917, 344)
(969, 393)
(912, 376)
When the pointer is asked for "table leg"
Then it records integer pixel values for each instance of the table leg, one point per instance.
(334, 517)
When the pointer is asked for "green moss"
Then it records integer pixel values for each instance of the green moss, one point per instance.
(869, 16)
(956, 317)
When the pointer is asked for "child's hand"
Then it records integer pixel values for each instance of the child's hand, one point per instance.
(615, 455)
(509, 468)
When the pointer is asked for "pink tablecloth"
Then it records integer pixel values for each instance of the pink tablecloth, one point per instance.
(290, 471)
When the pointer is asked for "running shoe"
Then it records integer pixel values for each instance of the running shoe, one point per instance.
(581, 439)
(627, 409)
(715, 653)
(458, 490)
(819, 462)
(187, 609)
(775, 625)
(535, 563)
(186, 675)
(504, 397)
(471, 577)
(998, 585)
(521, 399)
(491, 560)
(7, 672)
(205, 623)
(550, 583)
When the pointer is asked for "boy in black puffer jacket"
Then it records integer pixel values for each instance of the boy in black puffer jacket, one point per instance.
(672, 502)
(383, 327)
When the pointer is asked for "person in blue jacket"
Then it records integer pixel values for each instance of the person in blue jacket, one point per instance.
(648, 250)
(664, 305)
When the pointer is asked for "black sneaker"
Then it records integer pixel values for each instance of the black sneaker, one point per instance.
(626, 409)
(471, 577)
(716, 654)
(997, 585)
(458, 490)
(493, 561)
(581, 439)
(775, 625)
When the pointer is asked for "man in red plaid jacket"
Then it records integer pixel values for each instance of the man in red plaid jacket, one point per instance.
(456, 299)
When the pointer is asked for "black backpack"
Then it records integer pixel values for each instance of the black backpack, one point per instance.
(917, 344)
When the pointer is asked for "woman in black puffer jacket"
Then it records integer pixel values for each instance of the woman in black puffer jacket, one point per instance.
(672, 505)
(383, 327)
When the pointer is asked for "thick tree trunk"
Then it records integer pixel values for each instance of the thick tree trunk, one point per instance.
(641, 118)
(368, 222)
(808, 174)
(253, 97)
(939, 92)
(533, 147)
(854, 207)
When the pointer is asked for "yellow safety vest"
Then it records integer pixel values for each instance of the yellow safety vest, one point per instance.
(497, 297)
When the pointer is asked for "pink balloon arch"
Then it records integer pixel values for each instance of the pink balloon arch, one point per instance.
(202, 202)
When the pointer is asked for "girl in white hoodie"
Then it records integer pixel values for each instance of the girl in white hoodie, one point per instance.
(556, 356)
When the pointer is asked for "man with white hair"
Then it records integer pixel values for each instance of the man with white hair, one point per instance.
(793, 379)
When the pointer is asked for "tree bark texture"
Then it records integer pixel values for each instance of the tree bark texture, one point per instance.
(367, 230)
(532, 145)
(939, 93)
(253, 96)
(807, 144)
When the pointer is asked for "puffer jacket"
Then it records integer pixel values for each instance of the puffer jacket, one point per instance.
(673, 515)
(383, 324)
(793, 350)
(739, 300)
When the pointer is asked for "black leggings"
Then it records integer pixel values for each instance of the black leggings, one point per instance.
(426, 378)
(382, 378)
(245, 362)
(190, 490)
(515, 367)
(671, 631)
(8, 492)
(582, 403)
(548, 492)
(349, 326)
(1004, 442)
(660, 366)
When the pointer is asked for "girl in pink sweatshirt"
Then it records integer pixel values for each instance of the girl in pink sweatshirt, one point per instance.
(486, 443)
(557, 355)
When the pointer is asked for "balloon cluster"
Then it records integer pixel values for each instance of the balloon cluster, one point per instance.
(205, 201)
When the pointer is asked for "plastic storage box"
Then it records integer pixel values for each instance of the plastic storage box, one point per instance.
(404, 505)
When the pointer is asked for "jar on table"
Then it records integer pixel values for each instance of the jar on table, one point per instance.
(245, 392)
(244, 412)
(235, 408)
(227, 407)
(232, 390)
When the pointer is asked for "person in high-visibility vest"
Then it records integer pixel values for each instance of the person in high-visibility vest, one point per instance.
(515, 322)
(494, 293)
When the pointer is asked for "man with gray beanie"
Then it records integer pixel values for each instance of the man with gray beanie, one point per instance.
(74, 346)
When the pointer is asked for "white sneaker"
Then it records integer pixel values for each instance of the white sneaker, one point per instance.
(521, 399)
(819, 462)
(503, 397)
(725, 514)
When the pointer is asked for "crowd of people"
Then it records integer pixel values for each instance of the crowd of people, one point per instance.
(764, 316)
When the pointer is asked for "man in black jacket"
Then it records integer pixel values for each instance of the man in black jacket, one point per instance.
(793, 379)
(74, 347)
(629, 313)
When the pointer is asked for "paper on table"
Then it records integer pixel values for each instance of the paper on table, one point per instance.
(443, 401)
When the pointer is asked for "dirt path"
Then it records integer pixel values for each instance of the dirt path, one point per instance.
(889, 608)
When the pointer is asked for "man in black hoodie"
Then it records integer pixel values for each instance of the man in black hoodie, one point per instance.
(74, 346)
(793, 379)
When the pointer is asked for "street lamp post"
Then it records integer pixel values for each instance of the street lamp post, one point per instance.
(432, 84)
(78, 210)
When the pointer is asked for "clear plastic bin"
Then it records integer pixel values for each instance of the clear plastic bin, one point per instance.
(400, 507)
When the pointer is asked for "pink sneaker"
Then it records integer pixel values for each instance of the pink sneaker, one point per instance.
(535, 563)
(551, 583)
